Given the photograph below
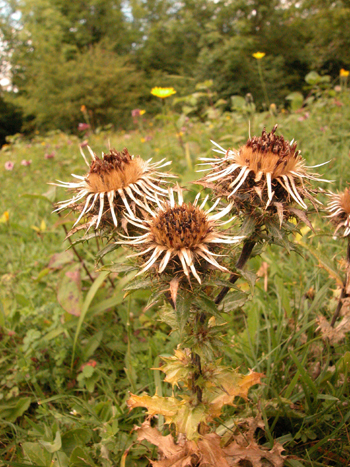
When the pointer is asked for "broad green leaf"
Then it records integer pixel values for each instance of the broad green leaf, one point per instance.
(248, 226)
(183, 309)
(313, 78)
(139, 284)
(234, 300)
(73, 438)
(14, 408)
(92, 292)
(36, 454)
(80, 458)
(69, 293)
(58, 260)
(296, 100)
(54, 445)
(207, 305)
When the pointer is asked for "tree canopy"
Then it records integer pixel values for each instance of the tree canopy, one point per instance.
(107, 54)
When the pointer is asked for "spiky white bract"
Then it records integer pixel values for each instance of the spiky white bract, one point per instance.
(178, 236)
(339, 208)
(265, 164)
(115, 183)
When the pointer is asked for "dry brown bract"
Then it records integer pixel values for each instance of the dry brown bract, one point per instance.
(267, 167)
(179, 232)
(116, 182)
(208, 450)
(339, 207)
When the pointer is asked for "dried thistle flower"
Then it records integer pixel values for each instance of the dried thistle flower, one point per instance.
(339, 207)
(181, 232)
(114, 183)
(267, 167)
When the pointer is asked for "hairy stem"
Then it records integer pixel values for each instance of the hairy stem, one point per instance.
(345, 283)
(245, 255)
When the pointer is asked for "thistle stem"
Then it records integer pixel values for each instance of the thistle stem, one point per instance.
(263, 84)
(343, 290)
(76, 252)
(245, 255)
(196, 361)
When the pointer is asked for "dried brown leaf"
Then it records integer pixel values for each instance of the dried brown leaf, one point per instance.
(302, 216)
(336, 334)
(279, 207)
(207, 451)
(174, 285)
(243, 446)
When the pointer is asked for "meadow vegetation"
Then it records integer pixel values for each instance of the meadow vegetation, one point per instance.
(75, 341)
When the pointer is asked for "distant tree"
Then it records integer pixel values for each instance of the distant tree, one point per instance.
(98, 78)
(10, 119)
(66, 54)
(107, 54)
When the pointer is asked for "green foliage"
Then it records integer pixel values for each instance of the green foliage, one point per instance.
(64, 379)
(56, 89)
(107, 56)
(10, 118)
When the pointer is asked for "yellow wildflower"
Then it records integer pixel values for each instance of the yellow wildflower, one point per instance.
(5, 217)
(344, 73)
(163, 92)
(143, 140)
(259, 55)
(83, 108)
(142, 112)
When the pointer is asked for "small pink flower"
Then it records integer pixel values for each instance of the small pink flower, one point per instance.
(137, 113)
(25, 162)
(84, 143)
(304, 117)
(9, 165)
(92, 363)
(338, 103)
(83, 126)
(49, 155)
(148, 138)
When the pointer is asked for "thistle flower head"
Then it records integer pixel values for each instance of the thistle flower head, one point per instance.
(339, 209)
(179, 236)
(266, 168)
(115, 184)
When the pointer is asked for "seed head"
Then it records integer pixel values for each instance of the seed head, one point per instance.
(114, 184)
(266, 168)
(339, 208)
(178, 237)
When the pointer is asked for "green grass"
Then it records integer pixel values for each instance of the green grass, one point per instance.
(54, 407)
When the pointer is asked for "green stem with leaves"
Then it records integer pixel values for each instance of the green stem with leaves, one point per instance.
(263, 84)
(244, 257)
(345, 283)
